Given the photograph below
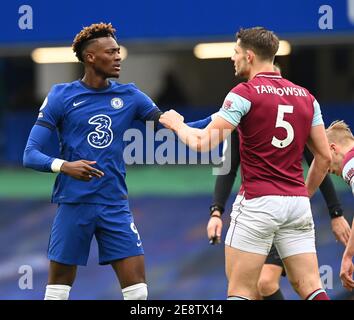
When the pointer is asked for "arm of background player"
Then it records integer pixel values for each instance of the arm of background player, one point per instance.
(339, 224)
(223, 187)
(318, 145)
(224, 183)
(327, 190)
(347, 267)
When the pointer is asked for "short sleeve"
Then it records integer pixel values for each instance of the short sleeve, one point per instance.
(146, 108)
(348, 173)
(317, 115)
(52, 109)
(235, 105)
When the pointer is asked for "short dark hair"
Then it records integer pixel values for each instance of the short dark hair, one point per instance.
(95, 30)
(263, 42)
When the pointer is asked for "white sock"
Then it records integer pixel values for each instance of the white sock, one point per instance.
(57, 292)
(135, 292)
(237, 298)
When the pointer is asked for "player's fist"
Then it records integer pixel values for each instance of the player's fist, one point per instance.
(214, 228)
(341, 229)
(81, 170)
(346, 272)
(171, 120)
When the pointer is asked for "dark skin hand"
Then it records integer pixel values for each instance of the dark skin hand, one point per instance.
(81, 170)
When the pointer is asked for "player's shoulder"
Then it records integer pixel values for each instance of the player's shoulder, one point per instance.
(348, 169)
(132, 91)
(65, 89)
(59, 88)
(129, 88)
(348, 160)
(289, 83)
(242, 89)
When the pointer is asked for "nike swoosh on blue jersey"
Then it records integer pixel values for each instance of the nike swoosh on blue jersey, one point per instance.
(75, 104)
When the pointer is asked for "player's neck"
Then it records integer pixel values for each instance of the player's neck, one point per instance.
(348, 147)
(94, 81)
(259, 68)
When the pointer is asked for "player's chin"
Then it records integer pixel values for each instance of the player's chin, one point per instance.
(238, 73)
(113, 74)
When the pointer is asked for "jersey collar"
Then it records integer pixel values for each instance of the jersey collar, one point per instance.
(268, 75)
(95, 89)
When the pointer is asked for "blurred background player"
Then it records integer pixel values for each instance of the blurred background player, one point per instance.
(274, 205)
(341, 143)
(273, 269)
(91, 116)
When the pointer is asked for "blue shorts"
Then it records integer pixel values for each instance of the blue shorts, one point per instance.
(75, 224)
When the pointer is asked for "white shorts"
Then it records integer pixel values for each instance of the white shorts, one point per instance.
(286, 220)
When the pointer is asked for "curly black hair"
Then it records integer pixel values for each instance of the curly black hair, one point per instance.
(95, 30)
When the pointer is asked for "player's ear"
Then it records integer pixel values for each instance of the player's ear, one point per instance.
(89, 57)
(333, 147)
(249, 56)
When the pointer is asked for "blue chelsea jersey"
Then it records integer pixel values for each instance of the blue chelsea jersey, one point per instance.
(91, 124)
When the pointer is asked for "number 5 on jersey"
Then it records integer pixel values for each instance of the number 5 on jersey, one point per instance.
(281, 123)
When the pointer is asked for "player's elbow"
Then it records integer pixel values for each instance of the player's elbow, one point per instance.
(327, 158)
(203, 145)
(196, 143)
(324, 159)
(199, 146)
(26, 158)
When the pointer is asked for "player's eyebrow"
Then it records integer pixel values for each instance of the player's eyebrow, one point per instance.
(113, 48)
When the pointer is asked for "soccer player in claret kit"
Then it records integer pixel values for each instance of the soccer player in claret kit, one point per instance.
(273, 269)
(341, 143)
(275, 118)
(91, 116)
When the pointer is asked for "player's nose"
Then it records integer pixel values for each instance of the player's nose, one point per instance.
(117, 57)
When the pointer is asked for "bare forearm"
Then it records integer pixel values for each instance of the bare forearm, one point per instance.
(349, 251)
(196, 139)
(316, 174)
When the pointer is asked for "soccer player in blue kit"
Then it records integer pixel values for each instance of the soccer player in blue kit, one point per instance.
(91, 116)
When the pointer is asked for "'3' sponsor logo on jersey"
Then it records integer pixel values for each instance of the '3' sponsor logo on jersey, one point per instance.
(102, 137)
